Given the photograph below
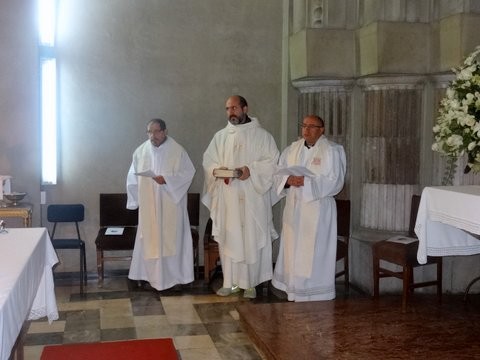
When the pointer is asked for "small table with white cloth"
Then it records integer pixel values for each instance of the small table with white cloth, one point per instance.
(448, 222)
(26, 284)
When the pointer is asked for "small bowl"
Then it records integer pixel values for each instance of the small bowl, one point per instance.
(15, 197)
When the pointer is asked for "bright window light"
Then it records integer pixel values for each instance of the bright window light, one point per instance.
(49, 121)
(46, 22)
(48, 89)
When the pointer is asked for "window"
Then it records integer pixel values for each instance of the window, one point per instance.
(48, 89)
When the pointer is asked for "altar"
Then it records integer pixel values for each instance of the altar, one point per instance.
(26, 282)
(448, 221)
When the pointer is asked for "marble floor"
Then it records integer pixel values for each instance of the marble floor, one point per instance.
(363, 328)
(202, 324)
(208, 327)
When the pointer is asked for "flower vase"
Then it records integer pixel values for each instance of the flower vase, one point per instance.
(449, 171)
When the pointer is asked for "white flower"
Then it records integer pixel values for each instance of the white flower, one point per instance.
(476, 129)
(457, 130)
(454, 141)
(454, 104)
(450, 93)
(465, 74)
(468, 99)
(470, 121)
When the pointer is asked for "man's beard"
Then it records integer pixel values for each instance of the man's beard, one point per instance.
(234, 120)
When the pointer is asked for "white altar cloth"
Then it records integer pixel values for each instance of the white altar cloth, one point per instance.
(448, 216)
(26, 282)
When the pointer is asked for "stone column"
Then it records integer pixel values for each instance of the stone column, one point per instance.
(390, 145)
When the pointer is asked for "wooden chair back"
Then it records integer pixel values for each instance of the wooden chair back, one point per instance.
(193, 206)
(113, 211)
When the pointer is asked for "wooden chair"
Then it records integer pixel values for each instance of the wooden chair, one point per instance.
(343, 238)
(72, 214)
(113, 213)
(210, 252)
(193, 208)
(402, 251)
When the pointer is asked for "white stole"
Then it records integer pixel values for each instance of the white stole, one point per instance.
(158, 219)
(302, 197)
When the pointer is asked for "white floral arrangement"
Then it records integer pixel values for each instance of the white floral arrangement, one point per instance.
(457, 131)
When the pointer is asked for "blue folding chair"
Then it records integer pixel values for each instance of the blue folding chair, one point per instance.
(69, 213)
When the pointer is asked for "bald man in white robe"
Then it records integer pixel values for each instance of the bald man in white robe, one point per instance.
(157, 184)
(305, 268)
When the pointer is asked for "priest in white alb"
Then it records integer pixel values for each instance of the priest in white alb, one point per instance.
(311, 171)
(239, 203)
(157, 184)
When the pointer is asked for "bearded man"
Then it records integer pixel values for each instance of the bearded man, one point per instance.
(239, 164)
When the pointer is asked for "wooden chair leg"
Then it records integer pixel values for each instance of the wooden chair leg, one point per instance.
(206, 271)
(195, 255)
(440, 280)
(100, 267)
(196, 261)
(84, 265)
(411, 289)
(407, 278)
(347, 277)
(82, 254)
(376, 275)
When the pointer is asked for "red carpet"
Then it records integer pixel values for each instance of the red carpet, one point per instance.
(162, 349)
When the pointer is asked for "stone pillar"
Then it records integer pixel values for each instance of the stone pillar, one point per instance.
(390, 142)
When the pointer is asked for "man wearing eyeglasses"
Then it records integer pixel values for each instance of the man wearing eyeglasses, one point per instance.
(311, 171)
(157, 184)
(239, 164)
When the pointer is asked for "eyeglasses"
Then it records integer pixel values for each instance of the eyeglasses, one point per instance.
(154, 132)
(310, 127)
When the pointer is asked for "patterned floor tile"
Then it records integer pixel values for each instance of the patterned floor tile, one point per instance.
(202, 324)
(118, 334)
